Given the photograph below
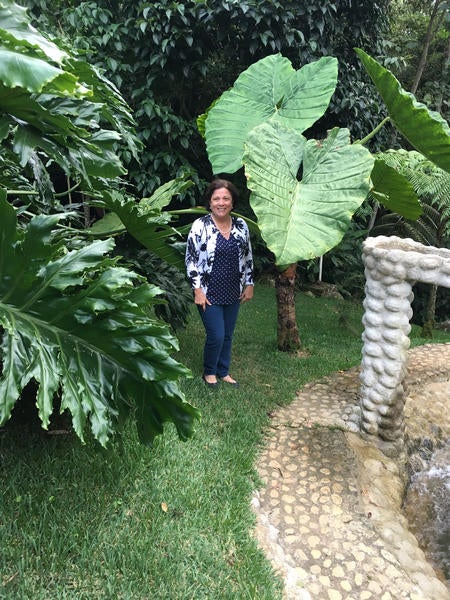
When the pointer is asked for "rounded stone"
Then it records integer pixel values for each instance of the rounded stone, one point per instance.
(313, 541)
(374, 567)
(373, 349)
(396, 304)
(430, 263)
(325, 580)
(372, 319)
(346, 585)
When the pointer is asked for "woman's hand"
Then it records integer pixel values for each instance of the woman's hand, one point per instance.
(247, 294)
(200, 299)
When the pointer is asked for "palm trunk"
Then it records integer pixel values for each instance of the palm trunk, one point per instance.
(288, 335)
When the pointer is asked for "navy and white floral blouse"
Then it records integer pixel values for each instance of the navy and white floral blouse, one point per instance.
(201, 249)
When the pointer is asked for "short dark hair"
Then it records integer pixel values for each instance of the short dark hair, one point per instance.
(216, 184)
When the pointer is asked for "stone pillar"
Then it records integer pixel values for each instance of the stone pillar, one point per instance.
(392, 265)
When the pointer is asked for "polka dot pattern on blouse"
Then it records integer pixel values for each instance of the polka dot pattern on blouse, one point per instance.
(224, 285)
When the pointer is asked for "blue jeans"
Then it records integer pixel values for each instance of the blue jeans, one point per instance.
(219, 321)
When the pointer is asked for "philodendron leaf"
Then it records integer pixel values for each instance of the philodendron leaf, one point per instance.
(15, 29)
(69, 145)
(145, 221)
(43, 98)
(426, 130)
(270, 89)
(304, 219)
(79, 326)
(398, 194)
(33, 74)
(164, 194)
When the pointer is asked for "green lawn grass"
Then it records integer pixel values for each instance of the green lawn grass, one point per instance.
(172, 522)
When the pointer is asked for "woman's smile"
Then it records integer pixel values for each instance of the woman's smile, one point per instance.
(221, 203)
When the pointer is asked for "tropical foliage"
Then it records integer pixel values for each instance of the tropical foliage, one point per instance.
(424, 129)
(419, 35)
(287, 102)
(171, 60)
(74, 321)
(432, 186)
(259, 123)
(303, 191)
(304, 219)
(261, 120)
(269, 90)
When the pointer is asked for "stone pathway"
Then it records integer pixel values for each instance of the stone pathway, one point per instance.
(329, 514)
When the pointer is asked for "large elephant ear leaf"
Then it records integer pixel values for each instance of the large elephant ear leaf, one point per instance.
(394, 191)
(426, 130)
(304, 219)
(269, 89)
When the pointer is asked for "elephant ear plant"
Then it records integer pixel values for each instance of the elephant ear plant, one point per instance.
(73, 320)
(426, 130)
(269, 90)
(259, 124)
(423, 128)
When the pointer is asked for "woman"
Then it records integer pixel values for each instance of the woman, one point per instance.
(219, 266)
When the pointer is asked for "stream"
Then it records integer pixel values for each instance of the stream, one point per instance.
(427, 508)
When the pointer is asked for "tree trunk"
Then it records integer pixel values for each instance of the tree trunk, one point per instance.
(445, 70)
(428, 326)
(430, 33)
(373, 216)
(288, 335)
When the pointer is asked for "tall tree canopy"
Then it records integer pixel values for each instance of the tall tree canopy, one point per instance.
(171, 60)
(420, 33)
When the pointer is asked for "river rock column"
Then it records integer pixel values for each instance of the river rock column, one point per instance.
(392, 265)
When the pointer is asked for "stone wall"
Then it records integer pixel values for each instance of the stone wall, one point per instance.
(392, 266)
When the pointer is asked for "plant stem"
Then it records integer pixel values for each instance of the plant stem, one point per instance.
(374, 132)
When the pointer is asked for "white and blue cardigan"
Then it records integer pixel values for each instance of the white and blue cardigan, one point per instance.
(201, 246)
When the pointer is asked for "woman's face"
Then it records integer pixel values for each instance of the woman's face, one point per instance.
(221, 203)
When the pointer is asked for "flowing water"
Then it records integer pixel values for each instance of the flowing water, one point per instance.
(427, 508)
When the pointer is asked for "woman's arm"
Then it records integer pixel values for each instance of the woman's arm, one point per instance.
(249, 262)
(191, 259)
